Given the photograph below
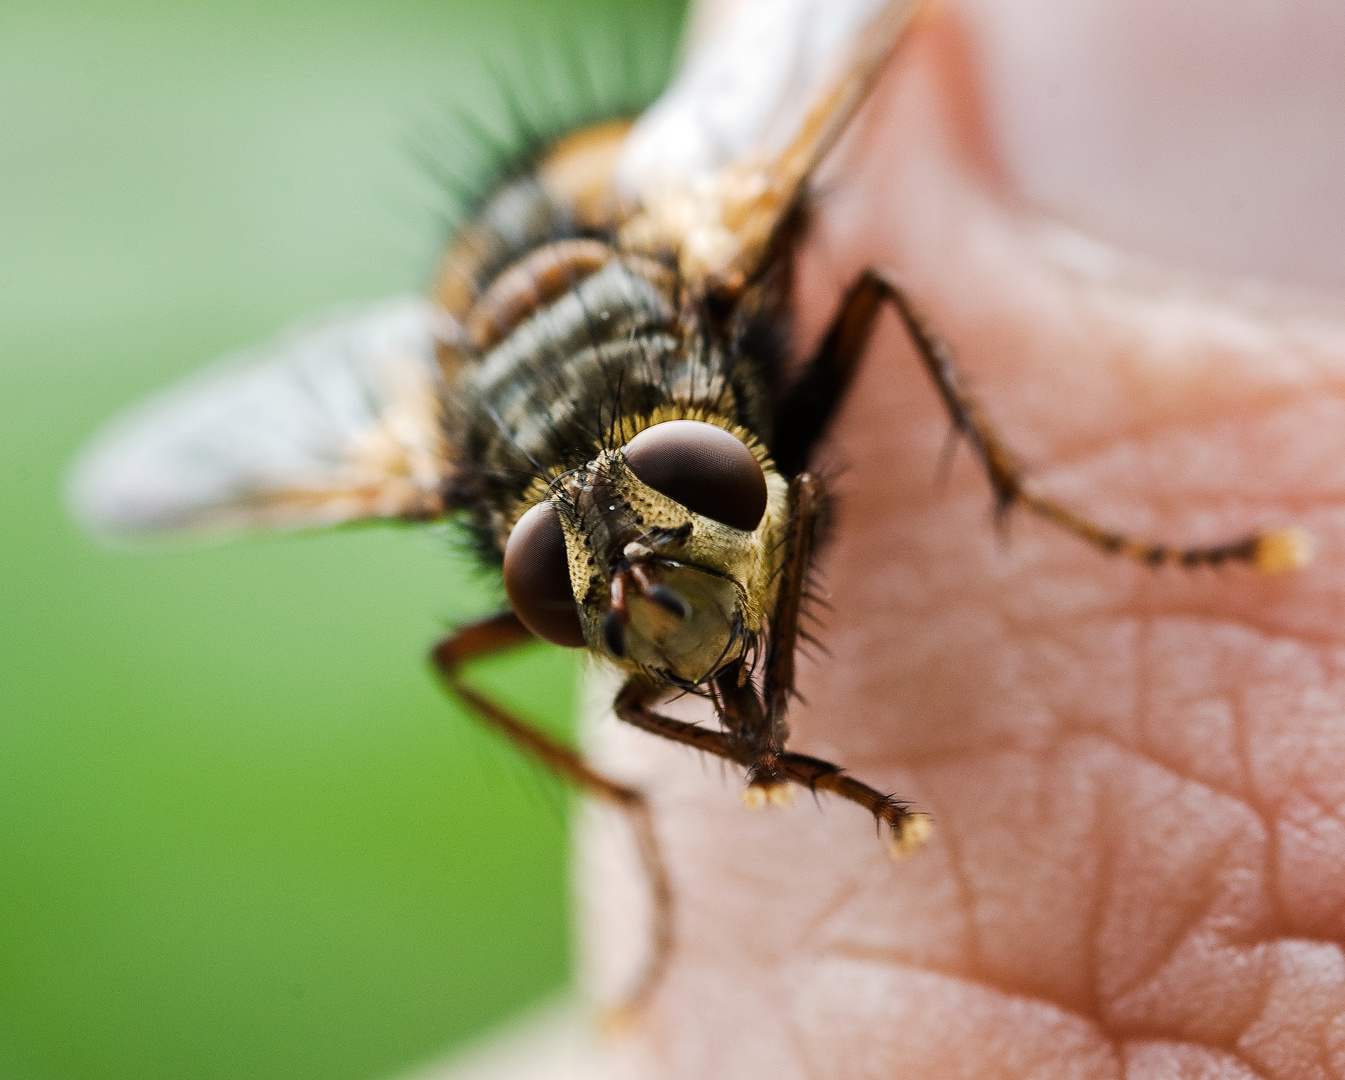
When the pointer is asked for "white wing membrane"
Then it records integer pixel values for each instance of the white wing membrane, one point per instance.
(719, 162)
(333, 421)
(743, 89)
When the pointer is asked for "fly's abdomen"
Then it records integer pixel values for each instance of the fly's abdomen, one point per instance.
(567, 195)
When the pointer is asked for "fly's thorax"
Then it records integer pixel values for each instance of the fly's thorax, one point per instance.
(588, 369)
(566, 341)
(660, 588)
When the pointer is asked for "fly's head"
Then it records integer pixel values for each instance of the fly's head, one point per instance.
(660, 556)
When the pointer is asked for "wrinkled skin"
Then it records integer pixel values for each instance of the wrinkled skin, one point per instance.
(1137, 778)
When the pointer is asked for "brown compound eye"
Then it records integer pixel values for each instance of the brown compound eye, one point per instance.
(705, 468)
(537, 578)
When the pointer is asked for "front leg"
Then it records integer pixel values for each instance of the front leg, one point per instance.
(758, 721)
(496, 634)
(909, 827)
(805, 506)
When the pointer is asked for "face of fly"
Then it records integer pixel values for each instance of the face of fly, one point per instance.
(664, 550)
(660, 587)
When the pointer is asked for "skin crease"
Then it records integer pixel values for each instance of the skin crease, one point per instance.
(1137, 778)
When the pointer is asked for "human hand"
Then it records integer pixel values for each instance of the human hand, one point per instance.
(1138, 863)
(1137, 866)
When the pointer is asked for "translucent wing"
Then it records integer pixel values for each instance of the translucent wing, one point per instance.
(333, 421)
(718, 162)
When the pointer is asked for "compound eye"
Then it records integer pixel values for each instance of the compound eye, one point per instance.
(537, 578)
(705, 468)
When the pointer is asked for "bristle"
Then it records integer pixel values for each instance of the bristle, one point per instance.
(556, 81)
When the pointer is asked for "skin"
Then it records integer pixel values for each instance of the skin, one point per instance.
(1137, 778)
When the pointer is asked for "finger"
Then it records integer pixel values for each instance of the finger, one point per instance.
(1132, 776)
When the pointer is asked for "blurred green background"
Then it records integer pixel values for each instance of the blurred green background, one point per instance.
(242, 834)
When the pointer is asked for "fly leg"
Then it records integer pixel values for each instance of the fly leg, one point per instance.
(758, 720)
(908, 827)
(805, 506)
(807, 409)
(755, 730)
(632, 705)
(755, 722)
(503, 631)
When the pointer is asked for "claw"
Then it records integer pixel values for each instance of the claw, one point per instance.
(913, 831)
(755, 796)
(1282, 550)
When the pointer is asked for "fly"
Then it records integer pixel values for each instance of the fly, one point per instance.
(595, 384)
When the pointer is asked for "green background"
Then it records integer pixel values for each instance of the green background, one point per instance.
(242, 834)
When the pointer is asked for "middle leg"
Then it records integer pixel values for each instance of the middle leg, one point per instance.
(803, 416)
